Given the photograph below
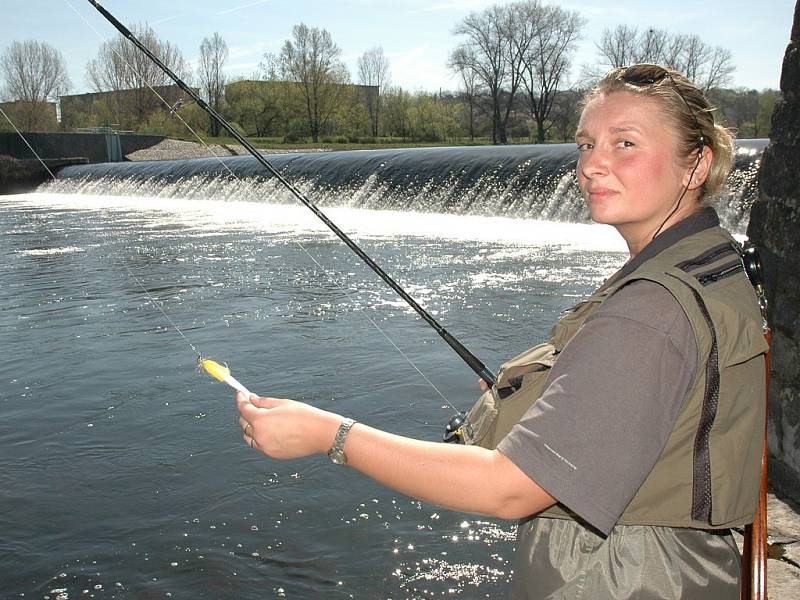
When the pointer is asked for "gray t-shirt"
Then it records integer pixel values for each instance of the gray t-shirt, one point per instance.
(609, 405)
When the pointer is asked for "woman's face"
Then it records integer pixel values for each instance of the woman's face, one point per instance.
(628, 168)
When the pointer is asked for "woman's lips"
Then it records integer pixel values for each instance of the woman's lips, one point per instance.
(599, 192)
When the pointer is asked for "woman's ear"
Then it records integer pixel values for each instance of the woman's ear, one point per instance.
(695, 176)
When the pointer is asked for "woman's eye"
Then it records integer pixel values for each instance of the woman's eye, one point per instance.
(584, 147)
(625, 144)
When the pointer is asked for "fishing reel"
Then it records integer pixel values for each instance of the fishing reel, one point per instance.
(751, 261)
(752, 265)
(454, 432)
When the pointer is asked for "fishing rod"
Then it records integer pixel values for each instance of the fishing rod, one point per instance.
(468, 357)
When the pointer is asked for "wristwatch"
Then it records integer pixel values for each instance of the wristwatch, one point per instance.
(336, 453)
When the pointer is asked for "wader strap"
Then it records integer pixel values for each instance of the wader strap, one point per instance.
(701, 460)
(755, 550)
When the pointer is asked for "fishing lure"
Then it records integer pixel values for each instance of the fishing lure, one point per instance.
(221, 373)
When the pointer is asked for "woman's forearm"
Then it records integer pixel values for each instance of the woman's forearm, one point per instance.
(466, 478)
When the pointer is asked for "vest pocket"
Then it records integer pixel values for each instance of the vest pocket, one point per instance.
(520, 383)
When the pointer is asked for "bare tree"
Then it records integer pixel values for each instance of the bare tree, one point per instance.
(213, 55)
(313, 61)
(33, 74)
(619, 45)
(719, 69)
(485, 52)
(652, 44)
(555, 33)
(708, 67)
(119, 66)
(470, 88)
(373, 71)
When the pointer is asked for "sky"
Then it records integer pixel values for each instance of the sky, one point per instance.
(416, 35)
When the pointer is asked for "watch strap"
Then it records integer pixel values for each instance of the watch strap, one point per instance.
(336, 453)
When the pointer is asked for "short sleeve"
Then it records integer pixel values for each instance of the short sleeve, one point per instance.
(609, 405)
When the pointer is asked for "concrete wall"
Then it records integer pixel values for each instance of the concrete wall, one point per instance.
(21, 176)
(63, 145)
(775, 229)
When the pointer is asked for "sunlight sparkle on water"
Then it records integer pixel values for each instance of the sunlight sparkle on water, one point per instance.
(296, 220)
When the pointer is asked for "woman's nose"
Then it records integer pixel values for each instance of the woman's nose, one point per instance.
(593, 162)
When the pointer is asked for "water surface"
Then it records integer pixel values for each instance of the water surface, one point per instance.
(122, 469)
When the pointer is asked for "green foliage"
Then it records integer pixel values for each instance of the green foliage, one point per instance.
(164, 122)
(748, 112)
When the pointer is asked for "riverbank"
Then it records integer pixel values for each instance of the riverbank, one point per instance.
(20, 176)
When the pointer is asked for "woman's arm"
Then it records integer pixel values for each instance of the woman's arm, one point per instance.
(465, 478)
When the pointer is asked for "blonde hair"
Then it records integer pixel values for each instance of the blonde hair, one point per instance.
(686, 106)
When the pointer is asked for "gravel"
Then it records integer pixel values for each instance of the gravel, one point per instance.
(177, 149)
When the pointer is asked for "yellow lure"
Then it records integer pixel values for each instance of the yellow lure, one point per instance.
(221, 373)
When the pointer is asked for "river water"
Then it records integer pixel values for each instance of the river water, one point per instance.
(122, 469)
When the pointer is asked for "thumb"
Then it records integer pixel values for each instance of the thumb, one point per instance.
(265, 402)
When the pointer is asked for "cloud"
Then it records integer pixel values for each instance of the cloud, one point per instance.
(457, 5)
(243, 6)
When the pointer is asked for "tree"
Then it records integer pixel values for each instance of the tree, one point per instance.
(373, 70)
(119, 66)
(255, 107)
(708, 67)
(213, 55)
(564, 115)
(396, 118)
(766, 106)
(313, 62)
(554, 35)
(469, 93)
(33, 74)
(484, 52)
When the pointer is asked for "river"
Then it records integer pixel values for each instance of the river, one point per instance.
(123, 470)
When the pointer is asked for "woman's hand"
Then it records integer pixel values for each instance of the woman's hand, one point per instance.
(466, 478)
(284, 428)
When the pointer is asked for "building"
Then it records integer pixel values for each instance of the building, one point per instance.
(123, 109)
(29, 116)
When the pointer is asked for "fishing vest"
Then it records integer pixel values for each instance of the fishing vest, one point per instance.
(707, 476)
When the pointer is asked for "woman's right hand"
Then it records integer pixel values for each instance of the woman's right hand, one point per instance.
(285, 429)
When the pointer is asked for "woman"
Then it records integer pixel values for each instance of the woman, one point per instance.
(629, 444)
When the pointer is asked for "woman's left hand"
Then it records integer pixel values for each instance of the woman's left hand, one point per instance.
(285, 429)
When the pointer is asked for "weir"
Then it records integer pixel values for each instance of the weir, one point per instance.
(525, 181)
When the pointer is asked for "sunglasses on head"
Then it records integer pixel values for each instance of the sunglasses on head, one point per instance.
(643, 75)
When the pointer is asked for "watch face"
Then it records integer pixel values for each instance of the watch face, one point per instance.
(337, 457)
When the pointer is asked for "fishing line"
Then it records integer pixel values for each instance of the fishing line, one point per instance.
(250, 189)
(474, 363)
(19, 133)
(158, 305)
